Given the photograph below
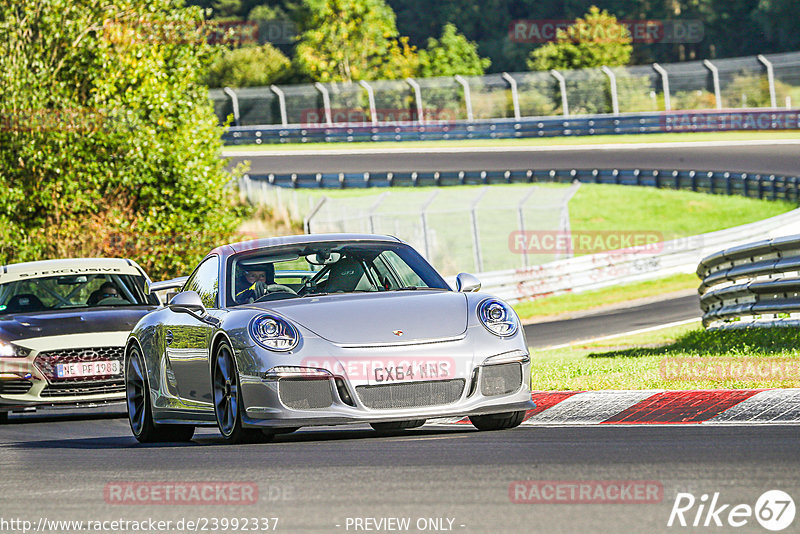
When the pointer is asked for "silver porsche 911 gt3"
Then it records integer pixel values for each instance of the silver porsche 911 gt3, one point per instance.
(272, 335)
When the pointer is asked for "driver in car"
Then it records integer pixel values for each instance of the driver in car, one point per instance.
(250, 281)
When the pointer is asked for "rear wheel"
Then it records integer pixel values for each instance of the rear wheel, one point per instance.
(3, 417)
(140, 412)
(497, 421)
(397, 425)
(228, 400)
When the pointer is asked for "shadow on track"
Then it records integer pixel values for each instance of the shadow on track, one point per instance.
(212, 439)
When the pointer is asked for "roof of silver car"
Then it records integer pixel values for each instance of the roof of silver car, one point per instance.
(235, 248)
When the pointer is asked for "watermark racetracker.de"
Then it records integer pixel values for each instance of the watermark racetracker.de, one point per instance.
(358, 117)
(586, 492)
(585, 242)
(729, 368)
(645, 31)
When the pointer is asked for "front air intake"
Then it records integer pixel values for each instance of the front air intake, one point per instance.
(305, 394)
(411, 394)
(501, 379)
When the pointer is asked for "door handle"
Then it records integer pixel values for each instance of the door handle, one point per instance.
(169, 337)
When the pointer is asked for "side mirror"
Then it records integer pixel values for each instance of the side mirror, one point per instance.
(467, 283)
(187, 302)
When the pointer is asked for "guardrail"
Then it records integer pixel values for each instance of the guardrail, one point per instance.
(635, 123)
(751, 185)
(755, 284)
(596, 271)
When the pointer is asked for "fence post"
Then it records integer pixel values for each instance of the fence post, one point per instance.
(424, 215)
(715, 79)
(373, 112)
(521, 216)
(417, 99)
(312, 213)
(326, 102)
(612, 80)
(562, 83)
(514, 94)
(773, 102)
(235, 103)
(664, 84)
(282, 103)
(564, 222)
(371, 211)
(476, 239)
(467, 95)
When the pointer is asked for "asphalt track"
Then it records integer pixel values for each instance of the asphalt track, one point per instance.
(601, 324)
(313, 480)
(760, 158)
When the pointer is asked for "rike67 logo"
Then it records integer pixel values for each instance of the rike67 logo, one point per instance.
(774, 510)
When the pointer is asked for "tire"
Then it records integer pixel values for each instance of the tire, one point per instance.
(397, 425)
(497, 421)
(228, 400)
(3, 418)
(140, 412)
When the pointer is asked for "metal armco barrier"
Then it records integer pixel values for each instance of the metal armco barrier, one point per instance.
(635, 123)
(761, 186)
(596, 271)
(755, 284)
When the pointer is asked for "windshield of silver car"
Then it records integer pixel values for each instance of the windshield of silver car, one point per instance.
(328, 268)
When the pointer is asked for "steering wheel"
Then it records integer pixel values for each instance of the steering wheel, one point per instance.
(262, 290)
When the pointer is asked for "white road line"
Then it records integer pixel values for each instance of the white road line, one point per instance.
(501, 148)
(630, 333)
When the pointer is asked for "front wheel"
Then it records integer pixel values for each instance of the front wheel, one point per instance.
(228, 400)
(397, 425)
(140, 411)
(497, 421)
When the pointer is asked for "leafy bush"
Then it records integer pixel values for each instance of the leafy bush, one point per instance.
(252, 66)
(592, 41)
(451, 54)
(109, 142)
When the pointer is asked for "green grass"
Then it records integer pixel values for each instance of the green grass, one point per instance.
(670, 213)
(533, 141)
(623, 208)
(572, 302)
(677, 358)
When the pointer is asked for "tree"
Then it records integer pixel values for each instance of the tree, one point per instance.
(451, 54)
(250, 66)
(109, 142)
(349, 40)
(592, 41)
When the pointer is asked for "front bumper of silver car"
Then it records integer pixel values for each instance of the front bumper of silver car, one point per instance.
(291, 396)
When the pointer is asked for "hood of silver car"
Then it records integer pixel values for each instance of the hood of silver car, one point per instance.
(379, 318)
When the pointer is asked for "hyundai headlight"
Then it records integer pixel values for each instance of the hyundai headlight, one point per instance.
(8, 350)
(498, 317)
(274, 333)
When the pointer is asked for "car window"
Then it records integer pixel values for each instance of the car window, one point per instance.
(73, 291)
(327, 268)
(390, 261)
(205, 282)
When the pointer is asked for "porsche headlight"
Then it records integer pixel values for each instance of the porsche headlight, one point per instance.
(274, 333)
(498, 317)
